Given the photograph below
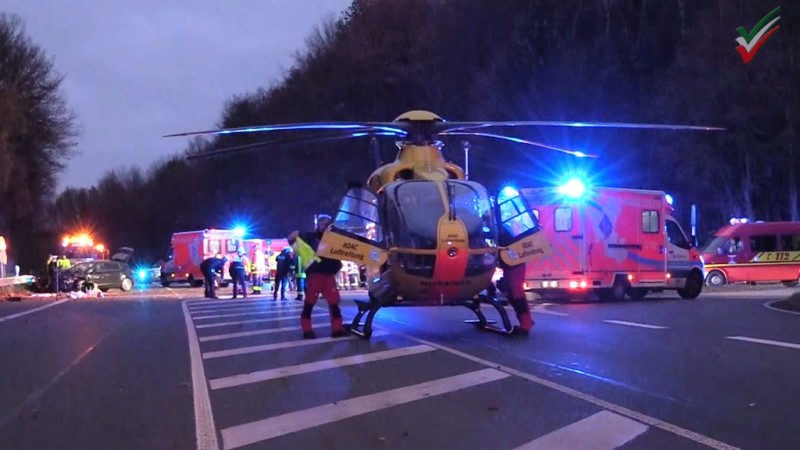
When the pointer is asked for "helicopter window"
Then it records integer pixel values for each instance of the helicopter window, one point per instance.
(471, 205)
(516, 218)
(358, 214)
(414, 210)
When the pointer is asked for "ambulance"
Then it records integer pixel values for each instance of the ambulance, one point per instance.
(263, 253)
(190, 248)
(611, 242)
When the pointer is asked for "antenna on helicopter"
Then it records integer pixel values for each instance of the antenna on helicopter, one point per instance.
(376, 152)
(465, 144)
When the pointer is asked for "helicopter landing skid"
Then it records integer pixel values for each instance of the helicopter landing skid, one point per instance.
(364, 307)
(482, 323)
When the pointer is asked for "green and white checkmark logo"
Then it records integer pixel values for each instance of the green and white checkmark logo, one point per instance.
(750, 41)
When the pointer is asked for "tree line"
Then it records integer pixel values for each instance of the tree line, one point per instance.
(668, 61)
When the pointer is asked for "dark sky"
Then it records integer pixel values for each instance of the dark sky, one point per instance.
(135, 70)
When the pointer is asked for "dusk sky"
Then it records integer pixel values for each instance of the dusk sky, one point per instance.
(136, 70)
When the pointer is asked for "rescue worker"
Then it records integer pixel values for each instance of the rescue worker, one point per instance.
(300, 277)
(238, 270)
(321, 280)
(284, 268)
(52, 267)
(513, 285)
(210, 268)
(255, 272)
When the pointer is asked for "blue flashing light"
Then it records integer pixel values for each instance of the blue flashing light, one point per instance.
(141, 274)
(574, 188)
(507, 193)
(239, 231)
(669, 199)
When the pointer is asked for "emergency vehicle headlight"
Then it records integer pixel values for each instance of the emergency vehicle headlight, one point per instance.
(573, 284)
(574, 188)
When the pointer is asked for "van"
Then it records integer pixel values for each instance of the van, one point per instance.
(756, 252)
(611, 242)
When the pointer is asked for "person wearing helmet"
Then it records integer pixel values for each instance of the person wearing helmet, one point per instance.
(320, 280)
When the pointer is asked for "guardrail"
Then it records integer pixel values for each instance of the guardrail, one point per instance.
(13, 281)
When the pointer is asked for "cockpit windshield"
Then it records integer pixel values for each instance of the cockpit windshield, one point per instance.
(414, 209)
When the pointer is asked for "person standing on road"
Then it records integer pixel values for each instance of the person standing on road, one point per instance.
(210, 268)
(284, 266)
(238, 271)
(321, 280)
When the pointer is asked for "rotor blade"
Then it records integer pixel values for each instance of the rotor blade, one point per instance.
(343, 126)
(518, 141)
(462, 126)
(284, 142)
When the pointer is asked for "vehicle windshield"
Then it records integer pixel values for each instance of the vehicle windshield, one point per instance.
(723, 245)
(414, 209)
(80, 269)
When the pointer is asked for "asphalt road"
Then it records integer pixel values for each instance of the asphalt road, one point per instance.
(161, 368)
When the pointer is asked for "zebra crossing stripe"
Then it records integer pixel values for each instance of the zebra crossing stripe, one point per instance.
(601, 431)
(220, 337)
(257, 310)
(280, 345)
(241, 322)
(251, 433)
(250, 313)
(316, 366)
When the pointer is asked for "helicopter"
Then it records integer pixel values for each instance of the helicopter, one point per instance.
(427, 235)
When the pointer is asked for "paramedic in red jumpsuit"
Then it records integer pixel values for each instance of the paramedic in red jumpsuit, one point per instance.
(514, 281)
(321, 280)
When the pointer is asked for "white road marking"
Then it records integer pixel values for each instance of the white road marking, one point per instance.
(280, 345)
(601, 431)
(250, 313)
(31, 311)
(251, 309)
(220, 337)
(288, 371)
(766, 341)
(238, 322)
(768, 305)
(542, 309)
(250, 433)
(637, 324)
(635, 415)
(250, 303)
(203, 417)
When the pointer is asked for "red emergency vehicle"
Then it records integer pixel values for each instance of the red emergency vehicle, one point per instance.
(81, 247)
(612, 242)
(190, 248)
(754, 252)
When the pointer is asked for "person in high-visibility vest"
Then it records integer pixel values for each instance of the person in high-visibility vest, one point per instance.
(300, 276)
(256, 268)
(321, 278)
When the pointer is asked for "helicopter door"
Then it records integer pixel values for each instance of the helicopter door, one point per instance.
(356, 233)
(520, 237)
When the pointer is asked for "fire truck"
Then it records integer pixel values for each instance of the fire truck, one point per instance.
(611, 242)
(190, 248)
(81, 247)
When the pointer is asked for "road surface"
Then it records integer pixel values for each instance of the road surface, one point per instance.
(162, 368)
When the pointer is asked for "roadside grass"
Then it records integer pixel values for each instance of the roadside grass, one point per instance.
(792, 303)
